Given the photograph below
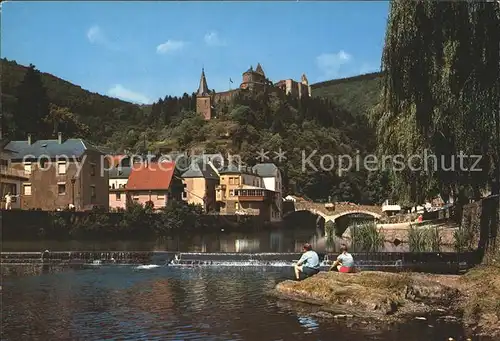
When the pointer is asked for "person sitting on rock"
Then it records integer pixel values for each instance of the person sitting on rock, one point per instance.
(344, 262)
(308, 264)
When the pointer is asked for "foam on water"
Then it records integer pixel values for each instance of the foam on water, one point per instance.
(147, 266)
(249, 263)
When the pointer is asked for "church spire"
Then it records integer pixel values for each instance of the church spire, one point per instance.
(258, 69)
(203, 88)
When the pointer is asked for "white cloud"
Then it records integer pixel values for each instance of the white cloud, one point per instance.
(170, 46)
(331, 63)
(95, 35)
(121, 92)
(213, 39)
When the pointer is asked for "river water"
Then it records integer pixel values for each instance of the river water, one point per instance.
(167, 303)
(127, 302)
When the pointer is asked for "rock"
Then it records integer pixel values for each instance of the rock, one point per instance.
(368, 293)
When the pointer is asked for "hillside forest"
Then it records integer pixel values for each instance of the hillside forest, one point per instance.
(444, 103)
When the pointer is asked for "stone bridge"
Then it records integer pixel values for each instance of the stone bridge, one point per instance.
(331, 211)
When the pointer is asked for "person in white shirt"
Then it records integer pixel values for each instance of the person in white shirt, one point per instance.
(8, 200)
(344, 262)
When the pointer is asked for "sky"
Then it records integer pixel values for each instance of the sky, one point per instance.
(141, 51)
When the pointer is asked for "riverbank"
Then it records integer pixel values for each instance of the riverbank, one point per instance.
(473, 298)
(135, 223)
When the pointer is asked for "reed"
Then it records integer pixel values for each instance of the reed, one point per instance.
(462, 239)
(366, 237)
(424, 239)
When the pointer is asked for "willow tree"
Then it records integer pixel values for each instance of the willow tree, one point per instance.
(441, 93)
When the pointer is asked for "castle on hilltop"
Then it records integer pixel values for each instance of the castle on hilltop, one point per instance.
(252, 80)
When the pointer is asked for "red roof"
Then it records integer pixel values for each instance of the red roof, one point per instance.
(152, 176)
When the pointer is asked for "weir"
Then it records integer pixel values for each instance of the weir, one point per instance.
(432, 262)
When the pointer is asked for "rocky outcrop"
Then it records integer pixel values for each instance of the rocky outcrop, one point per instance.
(370, 293)
(397, 297)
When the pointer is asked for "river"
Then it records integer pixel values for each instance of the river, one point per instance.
(167, 303)
(127, 302)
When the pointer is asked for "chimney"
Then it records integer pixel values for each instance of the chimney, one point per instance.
(59, 137)
(29, 139)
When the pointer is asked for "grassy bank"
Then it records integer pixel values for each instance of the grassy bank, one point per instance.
(480, 301)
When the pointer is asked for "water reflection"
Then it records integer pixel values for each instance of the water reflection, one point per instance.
(282, 240)
(120, 302)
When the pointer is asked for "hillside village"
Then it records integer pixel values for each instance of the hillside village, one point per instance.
(70, 132)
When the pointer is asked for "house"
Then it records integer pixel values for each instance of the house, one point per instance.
(271, 179)
(11, 179)
(61, 173)
(200, 181)
(390, 208)
(157, 182)
(118, 178)
(242, 192)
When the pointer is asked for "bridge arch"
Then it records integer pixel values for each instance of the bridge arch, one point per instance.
(334, 216)
(365, 212)
(310, 210)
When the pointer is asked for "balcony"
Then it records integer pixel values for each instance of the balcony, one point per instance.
(251, 194)
(10, 172)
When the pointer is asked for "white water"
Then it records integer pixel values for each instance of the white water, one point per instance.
(147, 266)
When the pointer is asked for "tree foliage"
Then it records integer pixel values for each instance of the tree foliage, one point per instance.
(271, 121)
(441, 93)
(32, 105)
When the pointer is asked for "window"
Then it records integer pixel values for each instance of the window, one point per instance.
(92, 191)
(237, 205)
(118, 196)
(27, 168)
(231, 193)
(61, 167)
(61, 188)
(92, 169)
(136, 197)
(27, 189)
(184, 196)
(236, 181)
(160, 197)
(4, 163)
(231, 181)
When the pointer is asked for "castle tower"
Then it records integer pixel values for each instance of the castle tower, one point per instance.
(203, 99)
(254, 79)
(305, 82)
(259, 69)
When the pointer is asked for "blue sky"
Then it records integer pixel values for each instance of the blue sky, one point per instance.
(140, 51)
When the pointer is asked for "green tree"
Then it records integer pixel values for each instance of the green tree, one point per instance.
(441, 74)
(64, 121)
(32, 105)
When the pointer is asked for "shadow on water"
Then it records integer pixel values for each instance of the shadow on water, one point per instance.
(165, 303)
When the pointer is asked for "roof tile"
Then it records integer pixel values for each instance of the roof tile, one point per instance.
(153, 176)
